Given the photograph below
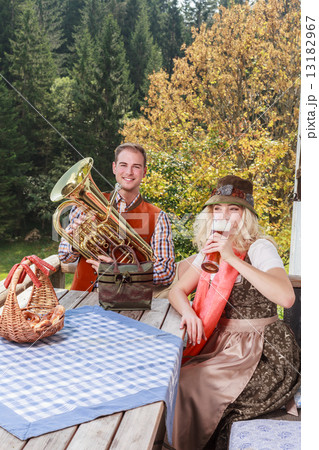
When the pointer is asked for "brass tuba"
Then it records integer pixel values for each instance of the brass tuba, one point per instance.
(103, 227)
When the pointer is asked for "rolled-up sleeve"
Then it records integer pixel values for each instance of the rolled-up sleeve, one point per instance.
(163, 248)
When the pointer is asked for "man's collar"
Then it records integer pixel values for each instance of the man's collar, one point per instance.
(120, 198)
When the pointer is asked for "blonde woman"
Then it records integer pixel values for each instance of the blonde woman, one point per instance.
(241, 361)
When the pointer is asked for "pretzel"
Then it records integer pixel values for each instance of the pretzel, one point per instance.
(49, 319)
(31, 317)
(47, 316)
(42, 325)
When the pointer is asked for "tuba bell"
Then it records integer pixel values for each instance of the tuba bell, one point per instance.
(103, 227)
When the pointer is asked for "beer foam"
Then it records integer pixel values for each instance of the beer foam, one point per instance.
(221, 225)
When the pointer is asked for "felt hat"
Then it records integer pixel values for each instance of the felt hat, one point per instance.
(234, 190)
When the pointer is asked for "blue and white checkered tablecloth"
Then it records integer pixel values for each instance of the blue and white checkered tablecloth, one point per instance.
(98, 364)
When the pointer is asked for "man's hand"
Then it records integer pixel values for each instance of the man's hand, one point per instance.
(95, 264)
(74, 225)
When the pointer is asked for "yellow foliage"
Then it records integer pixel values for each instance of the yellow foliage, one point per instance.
(231, 106)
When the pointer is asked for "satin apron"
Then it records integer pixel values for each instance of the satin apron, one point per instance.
(223, 369)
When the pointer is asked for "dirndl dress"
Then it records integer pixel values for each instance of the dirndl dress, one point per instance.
(249, 366)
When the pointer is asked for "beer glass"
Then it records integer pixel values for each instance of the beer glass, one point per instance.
(211, 261)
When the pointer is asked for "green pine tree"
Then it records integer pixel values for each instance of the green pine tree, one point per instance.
(173, 36)
(118, 10)
(84, 92)
(12, 168)
(229, 3)
(157, 12)
(32, 72)
(8, 13)
(132, 11)
(197, 12)
(115, 88)
(51, 20)
(102, 94)
(93, 15)
(71, 19)
(144, 56)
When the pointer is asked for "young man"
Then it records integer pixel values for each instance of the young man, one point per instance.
(129, 168)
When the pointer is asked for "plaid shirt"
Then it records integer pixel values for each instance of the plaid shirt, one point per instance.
(161, 243)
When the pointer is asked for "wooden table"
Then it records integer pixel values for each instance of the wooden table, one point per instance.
(140, 428)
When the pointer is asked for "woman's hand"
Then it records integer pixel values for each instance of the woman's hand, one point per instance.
(194, 327)
(221, 243)
(95, 264)
(178, 298)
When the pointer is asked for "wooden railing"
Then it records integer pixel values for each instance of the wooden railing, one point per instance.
(57, 278)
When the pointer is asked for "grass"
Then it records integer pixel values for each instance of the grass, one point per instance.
(12, 252)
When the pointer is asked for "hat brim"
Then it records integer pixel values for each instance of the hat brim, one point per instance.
(216, 199)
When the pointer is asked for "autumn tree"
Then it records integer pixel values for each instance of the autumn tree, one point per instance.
(231, 106)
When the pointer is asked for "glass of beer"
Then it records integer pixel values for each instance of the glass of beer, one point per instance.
(211, 261)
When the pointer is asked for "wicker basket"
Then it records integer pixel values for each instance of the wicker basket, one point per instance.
(13, 325)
